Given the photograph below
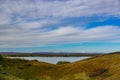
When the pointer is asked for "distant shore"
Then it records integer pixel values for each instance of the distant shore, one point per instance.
(49, 54)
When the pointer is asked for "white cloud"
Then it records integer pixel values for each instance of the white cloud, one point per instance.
(4, 19)
(24, 23)
(60, 9)
(61, 35)
(30, 25)
(62, 31)
(25, 10)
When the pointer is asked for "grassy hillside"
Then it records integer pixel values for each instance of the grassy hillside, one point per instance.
(104, 67)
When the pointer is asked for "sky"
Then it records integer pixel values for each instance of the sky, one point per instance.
(59, 26)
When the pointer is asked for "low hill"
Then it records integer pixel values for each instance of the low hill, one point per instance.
(102, 67)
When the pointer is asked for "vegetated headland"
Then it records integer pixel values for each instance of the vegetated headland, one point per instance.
(102, 67)
(47, 54)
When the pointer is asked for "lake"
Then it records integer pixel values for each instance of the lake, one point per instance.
(53, 60)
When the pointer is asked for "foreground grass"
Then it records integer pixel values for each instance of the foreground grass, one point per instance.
(104, 67)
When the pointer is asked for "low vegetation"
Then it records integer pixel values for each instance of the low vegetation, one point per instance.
(62, 62)
(103, 67)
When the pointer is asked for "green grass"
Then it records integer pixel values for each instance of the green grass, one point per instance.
(104, 67)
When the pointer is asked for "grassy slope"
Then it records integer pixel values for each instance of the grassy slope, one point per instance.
(104, 67)
(27, 69)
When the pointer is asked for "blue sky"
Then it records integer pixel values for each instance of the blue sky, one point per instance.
(59, 26)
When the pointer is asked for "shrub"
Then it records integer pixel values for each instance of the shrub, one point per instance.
(62, 62)
(1, 58)
(98, 72)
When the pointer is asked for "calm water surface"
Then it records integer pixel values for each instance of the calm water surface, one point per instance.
(53, 60)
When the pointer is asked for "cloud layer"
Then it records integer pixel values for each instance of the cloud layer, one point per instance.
(30, 23)
(23, 10)
(25, 37)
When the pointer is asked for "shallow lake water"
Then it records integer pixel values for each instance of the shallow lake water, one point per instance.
(53, 60)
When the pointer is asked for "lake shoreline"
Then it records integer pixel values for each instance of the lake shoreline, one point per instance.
(52, 60)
